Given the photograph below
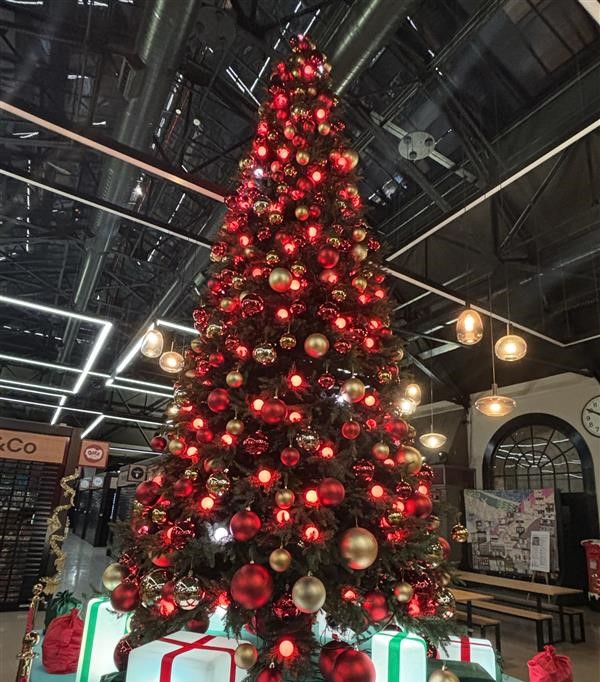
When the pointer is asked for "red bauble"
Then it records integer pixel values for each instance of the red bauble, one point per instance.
(158, 443)
(375, 605)
(445, 545)
(121, 653)
(147, 492)
(326, 381)
(198, 624)
(269, 675)
(290, 457)
(419, 505)
(218, 400)
(397, 428)
(183, 487)
(353, 666)
(244, 525)
(331, 492)
(273, 411)
(251, 586)
(351, 430)
(328, 257)
(256, 444)
(329, 655)
(125, 596)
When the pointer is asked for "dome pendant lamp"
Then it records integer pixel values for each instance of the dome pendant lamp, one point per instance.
(432, 440)
(510, 347)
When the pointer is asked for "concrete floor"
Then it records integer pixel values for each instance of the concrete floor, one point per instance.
(86, 563)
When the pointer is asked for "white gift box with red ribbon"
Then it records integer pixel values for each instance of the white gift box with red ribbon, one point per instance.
(469, 650)
(183, 657)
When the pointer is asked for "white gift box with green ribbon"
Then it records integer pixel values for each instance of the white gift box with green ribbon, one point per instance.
(103, 628)
(399, 656)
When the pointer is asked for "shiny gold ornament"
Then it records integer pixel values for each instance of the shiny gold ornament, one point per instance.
(159, 515)
(433, 523)
(176, 447)
(403, 592)
(384, 376)
(280, 560)
(235, 427)
(214, 330)
(272, 258)
(302, 157)
(410, 458)
(316, 345)
(338, 294)
(324, 128)
(275, 218)
(192, 474)
(260, 206)
(353, 390)
(265, 354)
(289, 132)
(380, 450)
(245, 162)
(196, 344)
(172, 410)
(359, 234)
(285, 498)
(234, 379)
(187, 592)
(334, 241)
(351, 189)
(308, 594)
(113, 576)
(227, 304)
(395, 518)
(245, 656)
(351, 157)
(360, 283)
(152, 585)
(308, 440)
(287, 341)
(459, 533)
(218, 484)
(280, 279)
(301, 212)
(443, 675)
(237, 282)
(359, 548)
(290, 170)
(138, 507)
(434, 554)
(298, 269)
(359, 252)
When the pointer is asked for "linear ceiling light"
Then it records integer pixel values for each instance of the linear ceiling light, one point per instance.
(178, 327)
(58, 410)
(92, 426)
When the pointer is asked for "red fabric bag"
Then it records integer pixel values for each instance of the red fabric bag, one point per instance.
(62, 641)
(548, 666)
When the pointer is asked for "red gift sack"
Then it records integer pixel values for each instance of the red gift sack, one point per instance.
(548, 666)
(60, 648)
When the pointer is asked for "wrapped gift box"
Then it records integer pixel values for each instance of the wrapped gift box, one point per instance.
(470, 650)
(185, 656)
(399, 656)
(217, 626)
(324, 633)
(102, 629)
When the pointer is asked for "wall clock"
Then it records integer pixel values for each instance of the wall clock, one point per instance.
(590, 416)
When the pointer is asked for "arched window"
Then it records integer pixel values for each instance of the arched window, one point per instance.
(538, 451)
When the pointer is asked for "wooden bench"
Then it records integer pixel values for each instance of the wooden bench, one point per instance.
(483, 622)
(537, 617)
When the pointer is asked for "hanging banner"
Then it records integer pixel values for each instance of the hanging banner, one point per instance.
(93, 453)
(33, 447)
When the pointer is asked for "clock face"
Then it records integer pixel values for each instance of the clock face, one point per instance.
(590, 416)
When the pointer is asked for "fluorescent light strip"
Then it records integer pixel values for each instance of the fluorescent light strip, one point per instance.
(117, 418)
(490, 193)
(137, 452)
(11, 382)
(51, 310)
(31, 390)
(92, 426)
(56, 414)
(178, 327)
(98, 346)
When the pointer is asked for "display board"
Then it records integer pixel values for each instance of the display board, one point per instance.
(505, 525)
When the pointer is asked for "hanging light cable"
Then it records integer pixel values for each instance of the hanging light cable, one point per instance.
(432, 440)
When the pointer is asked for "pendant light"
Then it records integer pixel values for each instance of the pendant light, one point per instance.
(432, 440)
(152, 344)
(171, 361)
(469, 327)
(510, 347)
(413, 391)
(407, 406)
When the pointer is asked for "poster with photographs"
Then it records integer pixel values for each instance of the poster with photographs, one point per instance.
(501, 524)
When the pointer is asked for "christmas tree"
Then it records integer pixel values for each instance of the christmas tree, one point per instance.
(290, 482)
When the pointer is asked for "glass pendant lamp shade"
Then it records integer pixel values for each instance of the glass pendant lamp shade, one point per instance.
(413, 391)
(494, 405)
(171, 362)
(432, 440)
(152, 345)
(407, 406)
(511, 348)
(469, 327)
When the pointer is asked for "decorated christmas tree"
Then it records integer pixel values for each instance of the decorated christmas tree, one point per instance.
(290, 482)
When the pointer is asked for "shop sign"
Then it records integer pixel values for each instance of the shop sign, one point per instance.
(34, 447)
(93, 453)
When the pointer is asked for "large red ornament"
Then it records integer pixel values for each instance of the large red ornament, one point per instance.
(269, 675)
(375, 605)
(328, 257)
(329, 655)
(244, 525)
(183, 487)
(218, 400)
(273, 411)
(331, 492)
(351, 430)
(419, 505)
(147, 492)
(158, 443)
(121, 653)
(353, 666)
(251, 586)
(290, 456)
(125, 597)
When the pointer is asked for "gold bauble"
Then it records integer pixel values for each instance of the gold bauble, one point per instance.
(152, 585)
(353, 390)
(113, 576)
(380, 451)
(403, 592)
(316, 345)
(285, 498)
(434, 554)
(360, 283)
(138, 507)
(287, 341)
(395, 518)
(265, 354)
(384, 376)
(410, 458)
(234, 427)
(272, 258)
(280, 560)
(359, 252)
(359, 548)
(196, 344)
(275, 218)
(289, 132)
(245, 656)
(245, 162)
(260, 206)
(433, 523)
(334, 241)
(227, 304)
(280, 279)
(324, 128)
(298, 269)
(338, 294)
(187, 592)
(234, 379)
(302, 157)
(308, 594)
(237, 282)
(351, 157)
(443, 675)
(176, 447)
(214, 330)
(192, 474)
(302, 212)
(359, 234)
(459, 533)
(159, 515)
(290, 171)
(218, 484)
(351, 189)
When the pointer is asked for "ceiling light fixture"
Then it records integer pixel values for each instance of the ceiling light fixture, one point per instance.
(152, 344)
(432, 440)
(413, 391)
(510, 347)
(407, 406)
(469, 327)
(171, 362)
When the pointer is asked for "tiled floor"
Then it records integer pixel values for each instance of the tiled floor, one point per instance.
(86, 563)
